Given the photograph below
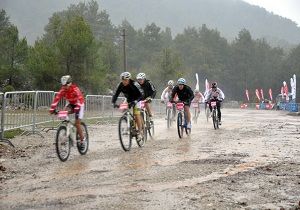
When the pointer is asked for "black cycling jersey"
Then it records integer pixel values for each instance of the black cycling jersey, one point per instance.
(184, 95)
(149, 89)
(132, 92)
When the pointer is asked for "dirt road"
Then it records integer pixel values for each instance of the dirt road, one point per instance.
(251, 162)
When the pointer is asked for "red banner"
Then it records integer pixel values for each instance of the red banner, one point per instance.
(262, 94)
(247, 95)
(271, 95)
(257, 94)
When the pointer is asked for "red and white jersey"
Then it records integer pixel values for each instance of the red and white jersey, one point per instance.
(198, 97)
(73, 95)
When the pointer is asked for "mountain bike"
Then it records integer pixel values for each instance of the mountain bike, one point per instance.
(149, 124)
(214, 115)
(196, 107)
(128, 129)
(181, 120)
(67, 136)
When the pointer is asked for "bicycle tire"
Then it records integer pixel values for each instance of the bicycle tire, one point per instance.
(207, 114)
(179, 125)
(195, 116)
(150, 126)
(127, 134)
(86, 142)
(62, 130)
(214, 119)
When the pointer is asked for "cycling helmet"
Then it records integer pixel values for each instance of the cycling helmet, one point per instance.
(196, 90)
(125, 75)
(214, 85)
(181, 81)
(171, 82)
(67, 79)
(141, 76)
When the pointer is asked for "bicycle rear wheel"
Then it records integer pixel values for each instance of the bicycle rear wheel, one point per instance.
(82, 149)
(150, 128)
(62, 143)
(124, 134)
(179, 125)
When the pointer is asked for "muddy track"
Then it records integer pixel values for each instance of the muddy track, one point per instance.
(252, 162)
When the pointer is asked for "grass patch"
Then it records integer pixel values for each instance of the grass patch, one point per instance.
(12, 133)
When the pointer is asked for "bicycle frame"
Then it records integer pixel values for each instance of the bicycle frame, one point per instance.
(70, 126)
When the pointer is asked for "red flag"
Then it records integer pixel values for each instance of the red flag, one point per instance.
(247, 95)
(271, 95)
(257, 94)
(262, 94)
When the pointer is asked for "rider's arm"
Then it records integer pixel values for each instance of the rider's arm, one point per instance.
(117, 93)
(153, 90)
(191, 94)
(222, 95)
(79, 96)
(58, 96)
(162, 97)
(174, 91)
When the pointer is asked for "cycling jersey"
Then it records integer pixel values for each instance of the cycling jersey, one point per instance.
(149, 89)
(184, 95)
(166, 94)
(73, 95)
(198, 97)
(133, 92)
(214, 94)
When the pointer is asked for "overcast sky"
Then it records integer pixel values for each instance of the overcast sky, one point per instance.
(285, 8)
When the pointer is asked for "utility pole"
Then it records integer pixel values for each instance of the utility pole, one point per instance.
(124, 50)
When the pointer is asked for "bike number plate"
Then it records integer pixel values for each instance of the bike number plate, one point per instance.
(195, 105)
(179, 106)
(213, 103)
(169, 105)
(123, 106)
(63, 115)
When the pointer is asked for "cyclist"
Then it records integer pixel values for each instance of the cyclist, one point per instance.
(185, 95)
(149, 91)
(133, 93)
(166, 95)
(215, 94)
(198, 98)
(75, 102)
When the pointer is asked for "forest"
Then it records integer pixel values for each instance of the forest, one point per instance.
(83, 42)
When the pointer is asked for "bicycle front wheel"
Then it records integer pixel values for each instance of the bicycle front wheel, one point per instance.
(179, 125)
(195, 115)
(62, 143)
(124, 134)
(214, 119)
(82, 149)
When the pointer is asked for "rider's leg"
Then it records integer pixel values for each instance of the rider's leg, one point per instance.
(138, 119)
(188, 114)
(78, 117)
(219, 110)
(148, 108)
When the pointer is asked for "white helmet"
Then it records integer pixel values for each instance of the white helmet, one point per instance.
(181, 81)
(67, 79)
(125, 75)
(141, 76)
(171, 82)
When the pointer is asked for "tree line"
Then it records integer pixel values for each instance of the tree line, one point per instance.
(82, 41)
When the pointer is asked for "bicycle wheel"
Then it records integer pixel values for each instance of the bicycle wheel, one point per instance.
(124, 134)
(214, 118)
(82, 149)
(141, 142)
(187, 130)
(179, 125)
(62, 143)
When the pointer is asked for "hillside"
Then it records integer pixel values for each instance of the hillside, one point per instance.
(228, 16)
